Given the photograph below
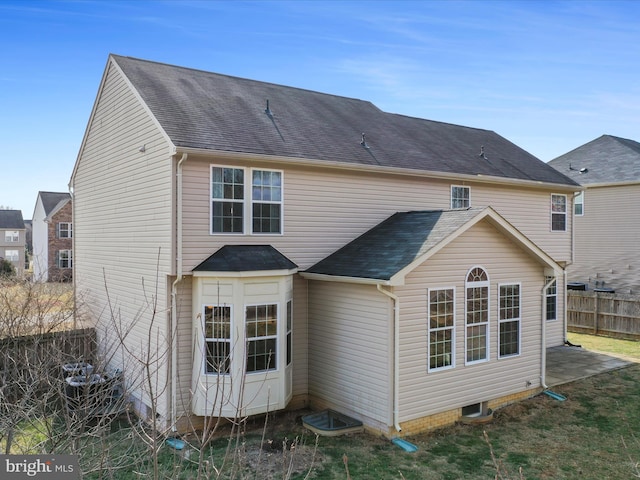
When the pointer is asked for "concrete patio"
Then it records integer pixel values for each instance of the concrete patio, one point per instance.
(566, 364)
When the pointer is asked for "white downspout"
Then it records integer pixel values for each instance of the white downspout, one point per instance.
(396, 354)
(173, 327)
(543, 363)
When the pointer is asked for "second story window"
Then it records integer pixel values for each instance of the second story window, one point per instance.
(460, 197)
(246, 200)
(65, 230)
(11, 236)
(558, 213)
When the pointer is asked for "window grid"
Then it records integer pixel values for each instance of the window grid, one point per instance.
(460, 197)
(261, 323)
(12, 255)
(289, 331)
(441, 309)
(227, 200)
(477, 315)
(217, 333)
(552, 299)
(65, 230)
(509, 320)
(266, 194)
(65, 259)
(11, 236)
(558, 213)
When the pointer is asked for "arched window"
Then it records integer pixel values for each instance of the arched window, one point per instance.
(477, 315)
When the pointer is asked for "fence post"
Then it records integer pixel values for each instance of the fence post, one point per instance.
(595, 315)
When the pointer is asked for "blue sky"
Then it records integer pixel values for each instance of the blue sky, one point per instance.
(549, 76)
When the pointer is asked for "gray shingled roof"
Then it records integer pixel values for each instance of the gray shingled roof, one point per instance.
(204, 110)
(607, 159)
(51, 199)
(394, 244)
(245, 258)
(11, 219)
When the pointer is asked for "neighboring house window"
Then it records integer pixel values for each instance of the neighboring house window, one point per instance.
(65, 259)
(477, 315)
(65, 230)
(11, 236)
(289, 331)
(578, 204)
(266, 195)
(233, 198)
(460, 197)
(12, 255)
(217, 336)
(227, 200)
(509, 320)
(558, 213)
(262, 337)
(441, 311)
(552, 299)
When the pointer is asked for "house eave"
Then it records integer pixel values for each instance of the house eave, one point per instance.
(246, 274)
(628, 183)
(342, 279)
(310, 162)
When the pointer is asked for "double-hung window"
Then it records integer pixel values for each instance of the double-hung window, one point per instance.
(11, 236)
(65, 259)
(578, 204)
(551, 299)
(217, 333)
(238, 194)
(262, 337)
(558, 213)
(289, 331)
(477, 315)
(509, 320)
(11, 255)
(65, 230)
(460, 197)
(441, 311)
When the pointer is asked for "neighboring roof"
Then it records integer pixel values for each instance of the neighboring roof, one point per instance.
(246, 258)
(11, 219)
(51, 200)
(203, 110)
(396, 246)
(607, 159)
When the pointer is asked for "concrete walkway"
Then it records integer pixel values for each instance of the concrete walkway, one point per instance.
(566, 364)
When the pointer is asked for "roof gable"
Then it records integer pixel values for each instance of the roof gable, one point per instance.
(245, 258)
(52, 201)
(389, 251)
(203, 110)
(11, 219)
(607, 159)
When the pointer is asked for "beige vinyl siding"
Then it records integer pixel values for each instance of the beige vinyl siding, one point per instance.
(185, 326)
(423, 393)
(350, 329)
(325, 209)
(606, 239)
(122, 222)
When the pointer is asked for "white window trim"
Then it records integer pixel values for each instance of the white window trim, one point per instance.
(277, 336)
(580, 195)
(566, 219)
(487, 324)
(247, 202)
(518, 319)
(451, 197)
(547, 295)
(205, 340)
(69, 229)
(69, 259)
(288, 328)
(12, 236)
(452, 328)
(251, 201)
(11, 258)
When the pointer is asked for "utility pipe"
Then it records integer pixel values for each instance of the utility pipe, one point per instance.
(396, 354)
(543, 363)
(173, 329)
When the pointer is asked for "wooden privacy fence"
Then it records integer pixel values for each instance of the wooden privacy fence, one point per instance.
(598, 313)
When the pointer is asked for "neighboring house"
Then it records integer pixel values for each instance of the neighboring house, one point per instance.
(13, 238)
(53, 237)
(607, 217)
(262, 247)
